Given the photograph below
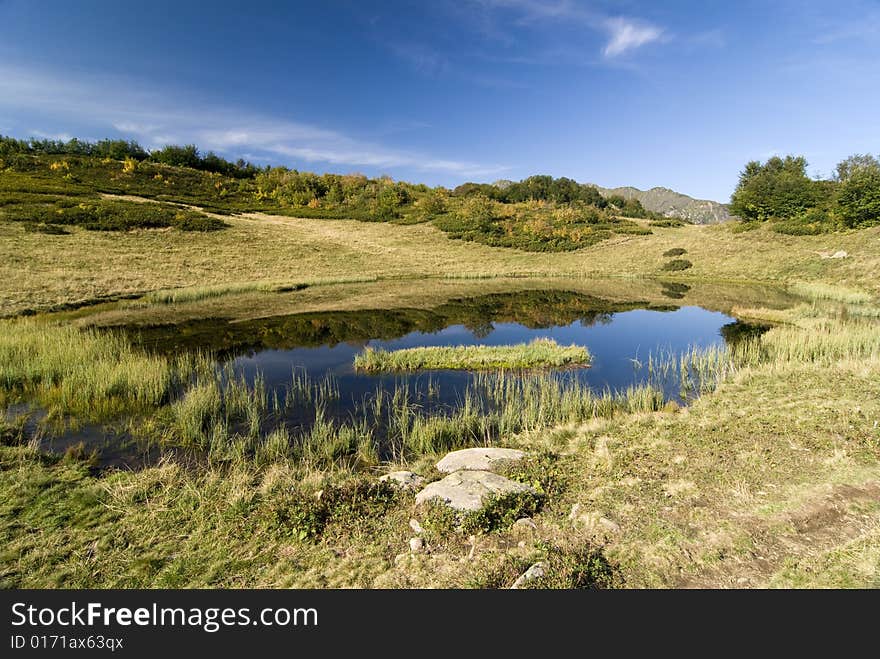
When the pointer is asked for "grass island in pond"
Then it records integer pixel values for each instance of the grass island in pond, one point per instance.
(540, 353)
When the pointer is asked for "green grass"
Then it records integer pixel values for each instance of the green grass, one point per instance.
(835, 293)
(540, 353)
(87, 372)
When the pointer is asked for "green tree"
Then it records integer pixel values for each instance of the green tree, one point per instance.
(858, 199)
(779, 188)
(846, 168)
(178, 156)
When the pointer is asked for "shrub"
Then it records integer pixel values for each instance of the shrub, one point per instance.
(677, 265)
(812, 222)
(193, 221)
(51, 229)
(580, 567)
(675, 251)
(109, 216)
(742, 227)
(304, 515)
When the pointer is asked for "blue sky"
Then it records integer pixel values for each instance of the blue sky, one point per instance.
(676, 94)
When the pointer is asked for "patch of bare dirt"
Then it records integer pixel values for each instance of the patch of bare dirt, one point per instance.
(822, 523)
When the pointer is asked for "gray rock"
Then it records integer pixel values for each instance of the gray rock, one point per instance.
(406, 480)
(525, 523)
(468, 491)
(416, 545)
(477, 459)
(537, 571)
(415, 526)
(592, 520)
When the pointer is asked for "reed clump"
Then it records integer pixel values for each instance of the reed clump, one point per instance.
(536, 354)
(85, 371)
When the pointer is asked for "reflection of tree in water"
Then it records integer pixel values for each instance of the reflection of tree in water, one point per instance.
(674, 290)
(739, 331)
(532, 309)
(481, 331)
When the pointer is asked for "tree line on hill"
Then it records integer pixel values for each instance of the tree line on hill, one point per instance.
(778, 191)
(173, 155)
(302, 188)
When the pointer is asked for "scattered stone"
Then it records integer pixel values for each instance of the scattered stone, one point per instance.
(416, 545)
(525, 523)
(840, 254)
(467, 491)
(477, 459)
(415, 526)
(592, 520)
(521, 544)
(535, 572)
(406, 480)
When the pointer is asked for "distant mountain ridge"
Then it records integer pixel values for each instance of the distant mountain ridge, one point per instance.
(673, 204)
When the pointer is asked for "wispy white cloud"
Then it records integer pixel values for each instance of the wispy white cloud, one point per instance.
(626, 35)
(158, 117)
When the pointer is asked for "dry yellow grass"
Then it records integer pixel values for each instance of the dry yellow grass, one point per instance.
(38, 271)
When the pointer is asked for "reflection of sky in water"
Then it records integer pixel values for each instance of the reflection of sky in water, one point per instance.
(614, 342)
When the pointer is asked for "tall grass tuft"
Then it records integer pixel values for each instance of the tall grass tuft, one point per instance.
(821, 341)
(819, 291)
(85, 372)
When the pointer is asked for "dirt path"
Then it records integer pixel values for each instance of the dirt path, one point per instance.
(826, 521)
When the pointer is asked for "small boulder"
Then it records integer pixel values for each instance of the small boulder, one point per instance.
(415, 526)
(468, 491)
(477, 459)
(416, 545)
(405, 480)
(537, 571)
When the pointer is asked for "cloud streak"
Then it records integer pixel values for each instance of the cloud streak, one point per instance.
(626, 35)
(154, 119)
